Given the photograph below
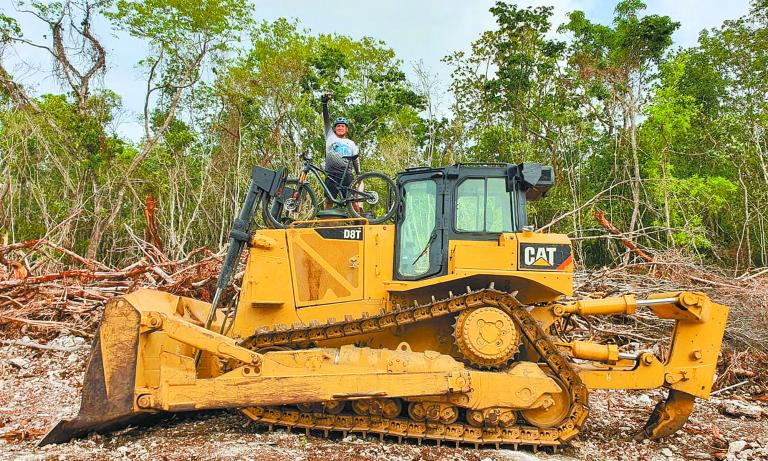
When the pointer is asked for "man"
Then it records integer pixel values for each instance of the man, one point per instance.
(339, 150)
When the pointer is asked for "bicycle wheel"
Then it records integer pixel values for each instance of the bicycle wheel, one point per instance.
(280, 214)
(376, 200)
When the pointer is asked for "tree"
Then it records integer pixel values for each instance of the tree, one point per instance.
(719, 154)
(508, 87)
(181, 36)
(518, 101)
(75, 139)
(273, 88)
(622, 60)
(672, 144)
(78, 54)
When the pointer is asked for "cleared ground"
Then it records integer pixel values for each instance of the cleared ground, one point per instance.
(38, 387)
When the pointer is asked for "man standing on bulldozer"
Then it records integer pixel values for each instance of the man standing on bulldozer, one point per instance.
(339, 151)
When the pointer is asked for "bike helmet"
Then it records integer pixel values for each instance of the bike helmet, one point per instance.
(341, 121)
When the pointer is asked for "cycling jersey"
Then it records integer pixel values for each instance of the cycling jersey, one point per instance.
(337, 153)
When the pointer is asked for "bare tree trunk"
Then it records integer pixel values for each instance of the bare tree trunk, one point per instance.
(88, 50)
(635, 183)
(102, 224)
(4, 190)
(603, 221)
(667, 213)
(68, 229)
(229, 139)
(98, 226)
(22, 100)
(745, 233)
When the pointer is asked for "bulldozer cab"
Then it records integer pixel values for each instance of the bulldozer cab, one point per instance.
(460, 202)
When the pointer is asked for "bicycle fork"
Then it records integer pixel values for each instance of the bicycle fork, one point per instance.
(300, 182)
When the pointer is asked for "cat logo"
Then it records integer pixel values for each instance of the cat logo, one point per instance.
(542, 256)
(545, 257)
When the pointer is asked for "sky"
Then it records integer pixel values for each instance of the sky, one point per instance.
(417, 30)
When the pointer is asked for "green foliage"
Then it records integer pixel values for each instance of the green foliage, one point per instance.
(698, 201)
(673, 143)
(671, 110)
(171, 22)
(629, 45)
(275, 85)
(8, 28)
(513, 112)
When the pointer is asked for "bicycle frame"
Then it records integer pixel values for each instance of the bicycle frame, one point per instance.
(321, 176)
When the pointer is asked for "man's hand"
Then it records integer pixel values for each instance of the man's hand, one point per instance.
(326, 97)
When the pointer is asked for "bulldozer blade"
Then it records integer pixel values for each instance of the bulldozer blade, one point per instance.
(107, 396)
(668, 416)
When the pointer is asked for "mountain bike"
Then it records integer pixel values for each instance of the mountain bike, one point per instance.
(373, 196)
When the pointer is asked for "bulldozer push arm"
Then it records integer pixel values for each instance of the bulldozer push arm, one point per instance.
(687, 369)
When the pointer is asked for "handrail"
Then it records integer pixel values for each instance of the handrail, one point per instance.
(504, 164)
(363, 221)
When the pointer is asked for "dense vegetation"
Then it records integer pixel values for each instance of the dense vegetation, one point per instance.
(670, 143)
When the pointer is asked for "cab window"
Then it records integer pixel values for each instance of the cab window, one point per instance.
(483, 205)
(416, 230)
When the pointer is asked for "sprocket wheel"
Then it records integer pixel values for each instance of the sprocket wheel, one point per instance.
(486, 336)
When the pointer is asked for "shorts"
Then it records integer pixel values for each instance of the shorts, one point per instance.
(332, 181)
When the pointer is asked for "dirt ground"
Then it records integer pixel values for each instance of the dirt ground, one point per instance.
(38, 387)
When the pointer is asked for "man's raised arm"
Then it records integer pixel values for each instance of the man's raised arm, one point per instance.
(326, 115)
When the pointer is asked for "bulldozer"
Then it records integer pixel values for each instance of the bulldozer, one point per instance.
(439, 326)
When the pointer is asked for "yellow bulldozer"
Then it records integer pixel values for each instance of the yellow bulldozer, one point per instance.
(437, 326)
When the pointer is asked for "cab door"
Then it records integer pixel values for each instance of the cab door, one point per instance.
(420, 226)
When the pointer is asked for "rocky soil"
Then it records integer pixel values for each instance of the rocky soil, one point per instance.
(40, 386)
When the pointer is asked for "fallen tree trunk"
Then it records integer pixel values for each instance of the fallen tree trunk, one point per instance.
(600, 216)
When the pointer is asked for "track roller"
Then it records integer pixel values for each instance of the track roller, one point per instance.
(389, 408)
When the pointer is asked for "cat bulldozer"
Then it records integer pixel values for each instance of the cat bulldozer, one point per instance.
(441, 325)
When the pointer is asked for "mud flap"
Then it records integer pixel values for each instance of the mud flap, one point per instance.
(668, 416)
(108, 386)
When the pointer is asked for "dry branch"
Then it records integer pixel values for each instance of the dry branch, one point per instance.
(600, 216)
(69, 292)
(152, 234)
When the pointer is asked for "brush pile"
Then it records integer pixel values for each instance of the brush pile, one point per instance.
(746, 296)
(45, 288)
(744, 359)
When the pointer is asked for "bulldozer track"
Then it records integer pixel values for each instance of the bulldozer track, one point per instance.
(298, 333)
(460, 433)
